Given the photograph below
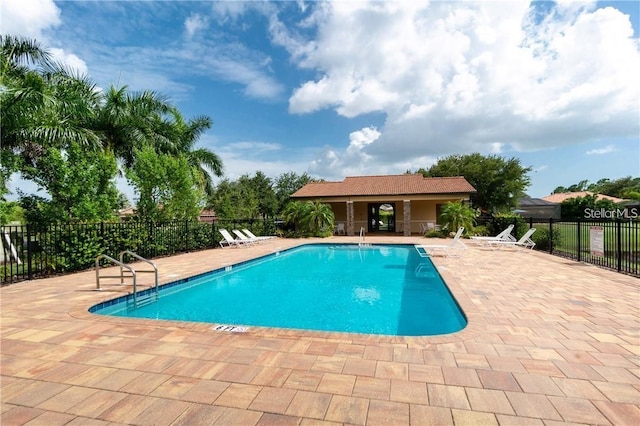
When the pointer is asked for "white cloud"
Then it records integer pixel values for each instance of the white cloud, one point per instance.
(335, 165)
(232, 9)
(455, 77)
(361, 138)
(31, 19)
(28, 18)
(254, 146)
(600, 151)
(167, 69)
(195, 23)
(70, 60)
(247, 157)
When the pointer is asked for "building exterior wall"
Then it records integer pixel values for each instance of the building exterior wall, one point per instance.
(422, 210)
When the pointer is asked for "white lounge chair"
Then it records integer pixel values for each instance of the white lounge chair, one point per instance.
(228, 240)
(244, 238)
(503, 236)
(426, 250)
(257, 238)
(525, 241)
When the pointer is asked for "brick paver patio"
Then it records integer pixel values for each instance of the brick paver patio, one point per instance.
(549, 341)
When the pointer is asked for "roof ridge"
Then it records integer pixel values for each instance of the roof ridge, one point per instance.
(405, 174)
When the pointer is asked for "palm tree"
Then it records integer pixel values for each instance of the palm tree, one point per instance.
(16, 53)
(457, 214)
(318, 216)
(294, 213)
(202, 160)
(45, 106)
(132, 120)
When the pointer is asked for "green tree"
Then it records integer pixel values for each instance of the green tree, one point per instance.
(575, 208)
(164, 186)
(266, 196)
(247, 201)
(286, 184)
(620, 188)
(10, 211)
(49, 112)
(456, 214)
(246, 198)
(578, 187)
(499, 182)
(81, 184)
(43, 105)
(223, 199)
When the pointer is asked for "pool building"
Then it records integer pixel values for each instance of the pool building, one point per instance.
(397, 204)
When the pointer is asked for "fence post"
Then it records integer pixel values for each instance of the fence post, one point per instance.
(186, 235)
(619, 243)
(551, 235)
(579, 242)
(29, 248)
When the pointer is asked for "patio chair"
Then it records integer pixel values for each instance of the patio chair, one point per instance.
(244, 238)
(257, 238)
(453, 248)
(340, 229)
(525, 241)
(502, 236)
(228, 240)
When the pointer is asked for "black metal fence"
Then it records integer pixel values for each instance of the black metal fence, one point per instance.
(36, 251)
(612, 244)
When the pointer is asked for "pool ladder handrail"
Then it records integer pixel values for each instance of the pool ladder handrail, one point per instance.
(361, 242)
(129, 268)
(142, 259)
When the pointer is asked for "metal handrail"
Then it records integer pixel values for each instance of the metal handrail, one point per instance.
(122, 266)
(153, 265)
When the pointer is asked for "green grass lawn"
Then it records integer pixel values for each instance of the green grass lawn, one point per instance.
(629, 238)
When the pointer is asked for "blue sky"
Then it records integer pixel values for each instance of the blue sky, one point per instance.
(347, 88)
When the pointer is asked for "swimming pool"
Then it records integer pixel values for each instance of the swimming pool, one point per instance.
(379, 289)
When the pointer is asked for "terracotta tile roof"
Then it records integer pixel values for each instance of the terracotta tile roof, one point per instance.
(407, 184)
(560, 197)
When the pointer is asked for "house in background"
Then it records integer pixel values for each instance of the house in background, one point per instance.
(538, 208)
(549, 207)
(407, 204)
(207, 216)
(562, 196)
(127, 213)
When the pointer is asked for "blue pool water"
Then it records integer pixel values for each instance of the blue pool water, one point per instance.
(387, 290)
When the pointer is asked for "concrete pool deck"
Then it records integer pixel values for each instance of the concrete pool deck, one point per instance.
(549, 341)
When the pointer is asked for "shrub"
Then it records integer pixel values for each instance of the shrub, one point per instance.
(541, 238)
(435, 234)
(481, 230)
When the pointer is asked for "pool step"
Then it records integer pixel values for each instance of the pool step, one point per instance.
(145, 300)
